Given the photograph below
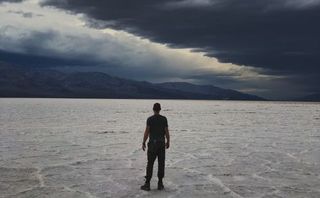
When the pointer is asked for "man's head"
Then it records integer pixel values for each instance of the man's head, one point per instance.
(156, 107)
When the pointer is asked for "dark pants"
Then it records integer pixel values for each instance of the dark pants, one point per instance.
(156, 149)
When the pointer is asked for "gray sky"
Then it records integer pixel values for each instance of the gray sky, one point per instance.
(267, 48)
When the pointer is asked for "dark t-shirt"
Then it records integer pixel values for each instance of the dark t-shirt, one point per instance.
(157, 124)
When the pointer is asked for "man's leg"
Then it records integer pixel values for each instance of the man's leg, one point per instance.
(161, 164)
(151, 158)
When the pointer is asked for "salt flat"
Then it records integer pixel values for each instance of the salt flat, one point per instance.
(92, 148)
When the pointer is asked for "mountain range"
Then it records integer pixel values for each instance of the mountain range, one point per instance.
(311, 98)
(22, 82)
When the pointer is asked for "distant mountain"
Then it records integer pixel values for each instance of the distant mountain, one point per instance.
(208, 91)
(311, 98)
(20, 82)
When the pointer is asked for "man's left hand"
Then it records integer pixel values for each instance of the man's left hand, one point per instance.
(143, 146)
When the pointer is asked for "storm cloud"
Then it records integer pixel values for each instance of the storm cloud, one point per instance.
(269, 48)
(279, 36)
(63, 40)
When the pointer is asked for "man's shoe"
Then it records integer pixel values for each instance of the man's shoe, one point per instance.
(160, 185)
(145, 187)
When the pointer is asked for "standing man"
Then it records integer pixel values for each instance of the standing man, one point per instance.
(157, 131)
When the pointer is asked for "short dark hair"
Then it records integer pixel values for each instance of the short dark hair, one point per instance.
(156, 107)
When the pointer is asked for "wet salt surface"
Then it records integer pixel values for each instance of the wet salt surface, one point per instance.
(91, 148)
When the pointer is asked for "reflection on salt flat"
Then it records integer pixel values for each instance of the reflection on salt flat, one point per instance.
(91, 148)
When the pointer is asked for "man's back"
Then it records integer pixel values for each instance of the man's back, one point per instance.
(157, 124)
(156, 130)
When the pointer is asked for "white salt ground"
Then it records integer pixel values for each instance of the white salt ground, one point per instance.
(64, 148)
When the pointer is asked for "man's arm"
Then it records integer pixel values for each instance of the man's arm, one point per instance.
(168, 137)
(145, 137)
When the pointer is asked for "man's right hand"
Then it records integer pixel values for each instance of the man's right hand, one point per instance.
(167, 145)
(143, 146)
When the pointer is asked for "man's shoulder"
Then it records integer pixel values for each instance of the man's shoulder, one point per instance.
(150, 117)
(163, 117)
(156, 117)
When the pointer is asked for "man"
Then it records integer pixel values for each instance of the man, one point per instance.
(157, 131)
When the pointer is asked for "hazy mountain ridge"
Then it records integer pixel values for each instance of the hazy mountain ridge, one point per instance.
(209, 91)
(21, 82)
(311, 98)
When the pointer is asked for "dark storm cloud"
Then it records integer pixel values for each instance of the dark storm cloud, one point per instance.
(34, 49)
(281, 36)
(38, 61)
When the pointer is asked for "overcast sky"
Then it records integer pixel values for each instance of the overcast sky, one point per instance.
(270, 48)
